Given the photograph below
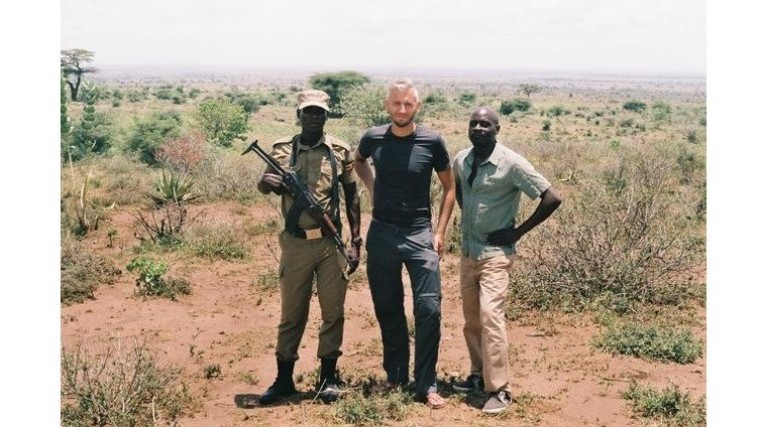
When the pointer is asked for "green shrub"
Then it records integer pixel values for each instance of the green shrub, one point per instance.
(671, 406)
(249, 102)
(135, 96)
(221, 122)
(65, 120)
(507, 108)
(82, 273)
(364, 106)
(94, 132)
(148, 134)
(557, 111)
(662, 344)
(661, 111)
(164, 92)
(435, 97)
(546, 125)
(635, 106)
(150, 280)
(336, 85)
(522, 104)
(120, 387)
(467, 97)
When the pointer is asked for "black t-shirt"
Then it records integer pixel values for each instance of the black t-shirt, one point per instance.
(403, 168)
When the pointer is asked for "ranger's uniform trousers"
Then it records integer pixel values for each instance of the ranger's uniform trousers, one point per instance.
(301, 261)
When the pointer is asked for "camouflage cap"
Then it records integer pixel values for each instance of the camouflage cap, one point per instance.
(313, 97)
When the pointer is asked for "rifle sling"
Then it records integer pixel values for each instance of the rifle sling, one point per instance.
(291, 221)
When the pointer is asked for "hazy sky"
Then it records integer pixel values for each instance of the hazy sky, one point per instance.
(645, 36)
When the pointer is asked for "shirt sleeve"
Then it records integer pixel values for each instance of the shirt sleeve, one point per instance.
(528, 180)
(364, 148)
(441, 159)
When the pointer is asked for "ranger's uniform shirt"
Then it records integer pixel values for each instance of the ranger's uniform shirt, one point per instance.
(314, 169)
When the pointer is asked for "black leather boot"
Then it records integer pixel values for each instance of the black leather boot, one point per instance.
(283, 385)
(328, 388)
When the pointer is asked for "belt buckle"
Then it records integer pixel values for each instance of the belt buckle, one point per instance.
(314, 233)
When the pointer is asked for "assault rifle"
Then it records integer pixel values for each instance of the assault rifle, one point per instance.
(301, 194)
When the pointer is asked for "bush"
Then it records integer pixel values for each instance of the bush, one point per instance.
(182, 154)
(557, 111)
(620, 242)
(221, 122)
(661, 111)
(635, 106)
(135, 96)
(148, 134)
(94, 133)
(507, 108)
(218, 241)
(435, 97)
(126, 179)
(150, 280)
(661, 344)
(82, 273)
(337, 85)
(250, 103)
(467, 97)
(670, 406)
(120, 387)
(164, 92)
(223, 175)
(365, 106)
(515, 104)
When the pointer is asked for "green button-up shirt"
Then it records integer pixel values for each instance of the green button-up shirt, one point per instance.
(492, 201)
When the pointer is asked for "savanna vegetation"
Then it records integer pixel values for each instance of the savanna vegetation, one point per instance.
(152, 183)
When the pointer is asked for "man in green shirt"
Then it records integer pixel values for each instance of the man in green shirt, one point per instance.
(489, 180)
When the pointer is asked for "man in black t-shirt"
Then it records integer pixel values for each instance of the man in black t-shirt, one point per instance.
(405, 155)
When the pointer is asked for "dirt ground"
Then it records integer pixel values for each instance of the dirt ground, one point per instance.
(558, 378)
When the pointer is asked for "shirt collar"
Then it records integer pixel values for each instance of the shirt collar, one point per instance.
(324, 140)
(496, 155)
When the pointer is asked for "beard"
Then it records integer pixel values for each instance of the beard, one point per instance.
(405, 122)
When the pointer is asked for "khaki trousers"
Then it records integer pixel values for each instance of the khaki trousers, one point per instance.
(484, 285)
(301, 261)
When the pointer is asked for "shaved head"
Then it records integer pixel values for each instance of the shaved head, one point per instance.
(487, 112)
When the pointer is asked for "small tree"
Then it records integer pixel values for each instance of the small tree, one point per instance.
(337, 85)
(507, 108)
(72, 64)
(221, 122)
(65, 120)
(528, 89)
(519, 104)
(635, 106)
(93, 135)
(150, 133)
(365, 106)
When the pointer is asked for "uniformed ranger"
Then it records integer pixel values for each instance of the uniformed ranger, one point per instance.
(323, 163)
